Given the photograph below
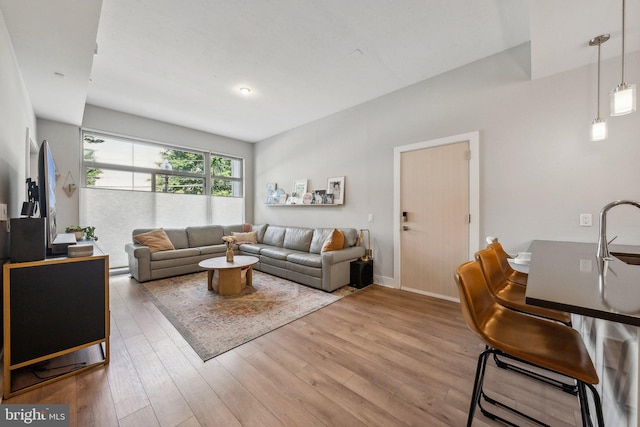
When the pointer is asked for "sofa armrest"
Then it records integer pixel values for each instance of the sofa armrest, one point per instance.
(346, 254)
(139, 257)
(335, 267)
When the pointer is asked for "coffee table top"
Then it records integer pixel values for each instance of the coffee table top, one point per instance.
(220, 263)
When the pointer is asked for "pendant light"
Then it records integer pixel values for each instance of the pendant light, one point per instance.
(623, 97)
(599, 125)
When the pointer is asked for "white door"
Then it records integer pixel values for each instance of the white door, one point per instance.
(434, 235)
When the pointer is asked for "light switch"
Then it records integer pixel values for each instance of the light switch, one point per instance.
(370, 218)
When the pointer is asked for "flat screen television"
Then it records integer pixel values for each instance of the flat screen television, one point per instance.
(47, 188)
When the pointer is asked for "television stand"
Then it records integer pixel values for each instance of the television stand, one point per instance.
(52, 308)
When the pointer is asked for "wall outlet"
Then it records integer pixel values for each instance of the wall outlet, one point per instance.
(585, 220)
(3, 212)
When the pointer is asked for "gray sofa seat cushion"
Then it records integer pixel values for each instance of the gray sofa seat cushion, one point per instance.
(298, 238)
(304, 269)
(178, 253)
(274, 236)
(305, 258)
(205, 235)
(276, 253)
(252, 248)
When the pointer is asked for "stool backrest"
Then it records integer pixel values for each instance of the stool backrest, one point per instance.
(502, 255)
(491, 268)
(477, 303)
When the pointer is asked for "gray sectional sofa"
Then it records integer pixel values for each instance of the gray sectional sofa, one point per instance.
(293, 253)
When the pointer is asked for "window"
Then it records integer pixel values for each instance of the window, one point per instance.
(129, 184)
(126, 164)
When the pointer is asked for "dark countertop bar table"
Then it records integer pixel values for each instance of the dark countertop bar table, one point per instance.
(606, 311)
(565, 276)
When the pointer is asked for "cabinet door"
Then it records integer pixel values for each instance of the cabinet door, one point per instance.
(56, 307)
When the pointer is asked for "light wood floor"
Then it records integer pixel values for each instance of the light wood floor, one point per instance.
(380, 357)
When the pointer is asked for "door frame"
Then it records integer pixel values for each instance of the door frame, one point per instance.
(474, 193)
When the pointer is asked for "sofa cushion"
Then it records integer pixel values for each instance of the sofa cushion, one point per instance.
(276, 253)
(250, 237)
(205, 235)
(305, 258)
(298, 238)
(252, 248)
(274, 236)
(260, 229)
(334, 242)
(213, 249)
(175, 254)
(156, 240)
(178, 237)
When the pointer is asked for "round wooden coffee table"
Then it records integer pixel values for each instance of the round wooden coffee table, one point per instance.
(226, 277)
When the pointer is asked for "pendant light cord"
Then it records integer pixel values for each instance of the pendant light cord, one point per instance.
(599, 44)
(623, 10)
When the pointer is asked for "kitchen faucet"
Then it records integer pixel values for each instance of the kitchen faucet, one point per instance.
(603, 246)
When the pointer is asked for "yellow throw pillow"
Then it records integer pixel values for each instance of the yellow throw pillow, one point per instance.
(334, 242)
(251, 237)
(156, 240)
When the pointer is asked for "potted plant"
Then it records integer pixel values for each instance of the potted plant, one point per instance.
(89, 233)
(77, 230)
(82, 232)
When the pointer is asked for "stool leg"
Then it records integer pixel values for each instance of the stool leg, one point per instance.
(477, 384)
(584, 404)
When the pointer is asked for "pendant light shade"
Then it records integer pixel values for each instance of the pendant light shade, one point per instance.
(599, 129)
(599, 125)
(623, 97)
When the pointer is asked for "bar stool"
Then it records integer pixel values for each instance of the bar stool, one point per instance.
(530, 340)
(510, 294)
(514, 276)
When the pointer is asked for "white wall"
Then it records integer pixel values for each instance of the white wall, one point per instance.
(538, 169)
(16, 115)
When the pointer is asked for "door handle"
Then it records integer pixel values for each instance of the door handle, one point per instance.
(405, 228)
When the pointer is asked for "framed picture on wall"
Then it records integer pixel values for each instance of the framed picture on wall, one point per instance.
(299, 189)
(335, 186)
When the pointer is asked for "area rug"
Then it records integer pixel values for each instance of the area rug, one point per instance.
(213, 324)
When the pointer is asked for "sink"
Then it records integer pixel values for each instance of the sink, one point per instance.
(631, 259)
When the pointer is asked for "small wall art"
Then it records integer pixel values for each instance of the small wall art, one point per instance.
(335, 187)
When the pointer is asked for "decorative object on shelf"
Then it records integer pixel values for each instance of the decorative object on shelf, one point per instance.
(229, 240)
(623, 97)
(318, 197)
(280, 197)
(368, 252)
(335, 186)
(599, 125)
(69, 185)
(298, 190)
(307, 199)
(271, 193)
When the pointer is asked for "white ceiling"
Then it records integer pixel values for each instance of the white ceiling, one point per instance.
(183, 62)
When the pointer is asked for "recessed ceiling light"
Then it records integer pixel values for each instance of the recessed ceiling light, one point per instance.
(245, 90)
